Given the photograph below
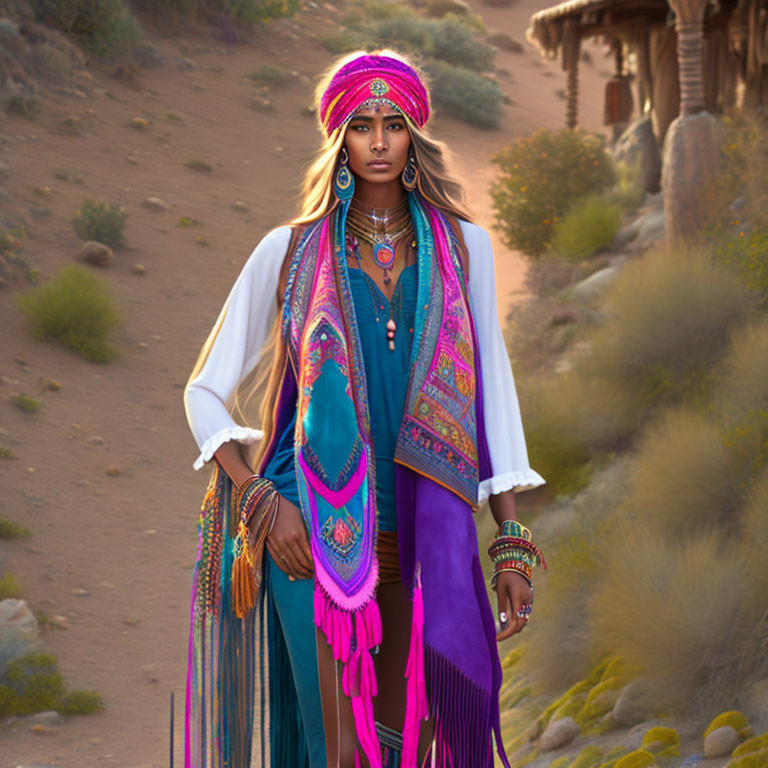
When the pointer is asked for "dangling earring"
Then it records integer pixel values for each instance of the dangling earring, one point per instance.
(410, 174)
(344, 182)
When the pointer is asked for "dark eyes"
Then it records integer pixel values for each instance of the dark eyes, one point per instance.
(364, 127)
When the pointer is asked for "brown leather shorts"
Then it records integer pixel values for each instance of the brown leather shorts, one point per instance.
(389, 557)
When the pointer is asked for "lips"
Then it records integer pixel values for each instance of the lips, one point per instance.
(379, 164)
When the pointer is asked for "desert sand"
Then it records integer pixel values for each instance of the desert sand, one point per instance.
(113, 554)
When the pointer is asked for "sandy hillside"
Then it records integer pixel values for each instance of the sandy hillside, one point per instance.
(112, 555)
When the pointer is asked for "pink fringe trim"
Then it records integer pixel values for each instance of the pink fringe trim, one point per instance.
(351, 637)
(416, 707)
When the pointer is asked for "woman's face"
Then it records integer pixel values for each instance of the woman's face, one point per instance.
(377, 140)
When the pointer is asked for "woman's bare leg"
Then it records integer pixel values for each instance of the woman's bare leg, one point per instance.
(389, 705)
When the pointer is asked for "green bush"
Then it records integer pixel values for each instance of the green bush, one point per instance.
(10, 529)
(26, 403)
(34, 683)
(589, 225)
(75, 309)
(464, 94)
(9, 586)
(101, 26)
(746, 251)
(249, 11)
(670, 315)
(628, 191)
(540, 178)
(101, 222)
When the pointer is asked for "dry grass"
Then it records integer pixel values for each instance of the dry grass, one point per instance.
(670, 318)
(673, 607)
(683, 477)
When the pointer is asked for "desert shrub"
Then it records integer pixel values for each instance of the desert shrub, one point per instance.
(75, 309)
(248, 11)
(100, 26)
(571, 422)
(464, 94)
(683, 476)
(34, 683)
(660, 606)
(267, 74)
(6, 453)
(9, 586)
(589, 225)
(746, 251)
(754, 534)
(26, 403)
(540, 178)
(741, 399)
(627, 192)
(745, 166)
(10, 529)
(167, 8)
(101, 222)
(669, 319)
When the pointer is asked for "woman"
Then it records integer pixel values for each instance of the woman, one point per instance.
(389, 415)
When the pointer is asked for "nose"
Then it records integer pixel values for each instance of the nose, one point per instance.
(378, 139)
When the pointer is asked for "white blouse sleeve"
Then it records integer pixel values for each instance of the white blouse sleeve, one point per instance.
(235, 345)
(501, 410)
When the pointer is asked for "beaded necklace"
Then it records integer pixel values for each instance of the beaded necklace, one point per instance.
(390, 225)
(353, 249)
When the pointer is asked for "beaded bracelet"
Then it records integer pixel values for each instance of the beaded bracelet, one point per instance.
(513, 550)
(256, 498)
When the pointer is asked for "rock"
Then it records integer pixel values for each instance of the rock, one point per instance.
(49, 385)
(112, 471)
(17, 619)
(183, 62)
(48, 718)
(691, 159)
(148, 56)
(646, 230)
(139, 269)
(155, 204)
(637, 145)
(95, 440)
(559, 733)
(439, 8)
(721, 742)
(239, 206)
(98, 254)
(631, 707)
(80, 592)
(589, 289)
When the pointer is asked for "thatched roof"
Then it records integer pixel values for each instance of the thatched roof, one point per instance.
(586, 18)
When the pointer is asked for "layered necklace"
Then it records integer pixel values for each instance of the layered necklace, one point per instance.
(384, 229)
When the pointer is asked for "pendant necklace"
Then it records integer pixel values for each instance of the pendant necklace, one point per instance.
(382, 228)
(353, 246)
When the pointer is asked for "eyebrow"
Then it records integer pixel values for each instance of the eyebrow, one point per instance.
(367, 119)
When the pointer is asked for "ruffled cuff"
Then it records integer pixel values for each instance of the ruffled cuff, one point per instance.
(521, 480)
(245, 435)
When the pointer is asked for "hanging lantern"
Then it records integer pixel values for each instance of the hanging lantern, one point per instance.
(618, 92)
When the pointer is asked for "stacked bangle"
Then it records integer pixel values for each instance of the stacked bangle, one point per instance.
(513, 550)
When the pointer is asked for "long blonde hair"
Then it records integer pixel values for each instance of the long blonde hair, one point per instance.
(316, 199)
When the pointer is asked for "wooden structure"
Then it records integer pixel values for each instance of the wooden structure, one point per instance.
(688, 55)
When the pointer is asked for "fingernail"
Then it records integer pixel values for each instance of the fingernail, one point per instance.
(503, 617)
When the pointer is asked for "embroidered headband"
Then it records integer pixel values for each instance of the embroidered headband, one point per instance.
(373, 79)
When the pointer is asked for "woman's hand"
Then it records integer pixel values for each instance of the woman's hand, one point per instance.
(288, 544)
(512, 590)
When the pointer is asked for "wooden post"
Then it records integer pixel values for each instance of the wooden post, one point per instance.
(571, 47)
(689, 25)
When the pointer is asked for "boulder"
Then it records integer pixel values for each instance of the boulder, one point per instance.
(631, 707)
(98, 254)
(559, 733)
(637, 145)
(721, 742)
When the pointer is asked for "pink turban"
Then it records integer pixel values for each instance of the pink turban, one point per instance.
(373, 78)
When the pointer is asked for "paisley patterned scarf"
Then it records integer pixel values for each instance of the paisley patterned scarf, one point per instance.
(334, 453)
